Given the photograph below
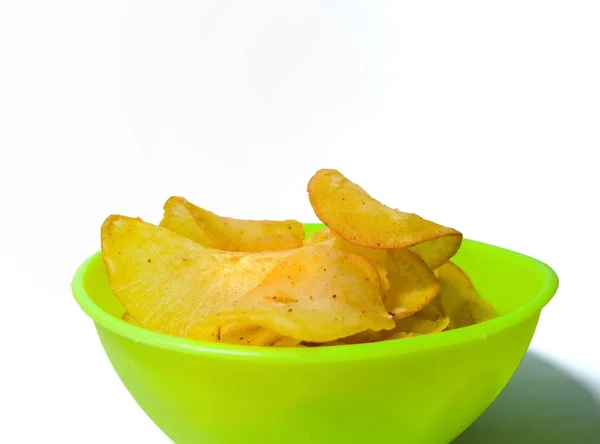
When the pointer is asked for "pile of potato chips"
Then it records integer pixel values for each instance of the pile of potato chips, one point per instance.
(375, 273)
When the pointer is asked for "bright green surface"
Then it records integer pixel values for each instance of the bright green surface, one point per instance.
(426, 389)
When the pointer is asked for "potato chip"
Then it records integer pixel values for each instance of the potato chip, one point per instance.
(366, 336)
(355, 216)
(242, 334)
(418, 325)
(437, 252)
(287, 342)
(432, 311)
(413, 325)
(412, 283)
(401, 335)
(229, 234)
(317, 294)
(168, 283)
(378, 258)
(459, 299)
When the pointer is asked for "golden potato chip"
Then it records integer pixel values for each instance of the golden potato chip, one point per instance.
(415, 324)
(401, 335)
(408, 284)
(224, 233)
(412, 283)
(432, 311)
(243, 334)
(129, 319)
(437, 252)
(355, 216)
(248, 335)
(317, 294)
(366, 336)
(287, 342)
(459, 299)
(379, 258)
(168, 283)
(408, 326)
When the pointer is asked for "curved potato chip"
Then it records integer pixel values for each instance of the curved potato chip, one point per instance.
(243, 334)
(355, 216)
(318, 294)
(401, 335)
(415, 324)
(287, 342)
(366, 336)
(427, 320)
(248, 335)
(412, 283)
(437, 252)
(167, 282)
(379, 258)
(224, 233)
(408, 284)
(408, 326)
(432, 311)
(459, 299)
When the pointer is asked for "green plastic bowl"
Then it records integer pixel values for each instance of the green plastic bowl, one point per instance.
(426, 389)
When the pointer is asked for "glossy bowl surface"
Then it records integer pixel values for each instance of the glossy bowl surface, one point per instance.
(426, 389)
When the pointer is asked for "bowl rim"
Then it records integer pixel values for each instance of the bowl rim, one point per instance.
(349, 352)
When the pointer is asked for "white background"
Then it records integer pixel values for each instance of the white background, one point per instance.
(484, 116)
